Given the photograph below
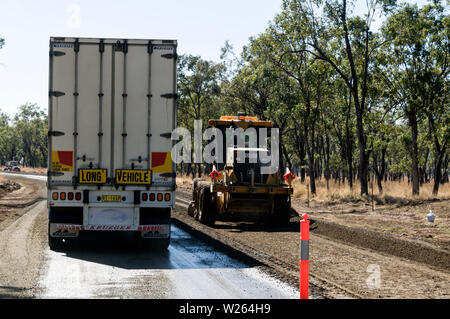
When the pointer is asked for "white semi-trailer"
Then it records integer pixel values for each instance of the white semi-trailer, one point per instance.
(112, 108)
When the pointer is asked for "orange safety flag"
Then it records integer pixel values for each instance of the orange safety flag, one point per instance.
(214, 174)
(288, 176)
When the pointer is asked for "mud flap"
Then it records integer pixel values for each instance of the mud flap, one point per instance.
(57, 232)
(155, 231)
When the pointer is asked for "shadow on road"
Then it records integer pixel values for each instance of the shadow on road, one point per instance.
(122, 251)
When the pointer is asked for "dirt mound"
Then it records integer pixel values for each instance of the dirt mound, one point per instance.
(8, 186)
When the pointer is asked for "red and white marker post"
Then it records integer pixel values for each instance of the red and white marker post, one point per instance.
(304, 257)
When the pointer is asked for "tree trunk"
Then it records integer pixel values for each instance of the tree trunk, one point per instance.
(437, 174)
(414, 153)
(363, 168)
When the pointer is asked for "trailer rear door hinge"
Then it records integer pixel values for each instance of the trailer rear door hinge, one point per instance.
(170, 96)
(170, 56)
(166, 135)
(121, 47)
(50, 173)
(55, 133)
(56, 93)
(57, 53)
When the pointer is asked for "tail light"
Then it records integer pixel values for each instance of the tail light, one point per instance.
(144, 197)
(55, 196)
(70, 196)
(62, 196)
(78, 196)
(167, 197)
(152, 197)
(160, 197)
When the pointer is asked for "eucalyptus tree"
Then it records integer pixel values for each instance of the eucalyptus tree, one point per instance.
(327, 31)
(417, 73)
(30, 126)
(198, 87)
(258, 88)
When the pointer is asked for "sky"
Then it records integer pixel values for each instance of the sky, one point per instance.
(200, 26)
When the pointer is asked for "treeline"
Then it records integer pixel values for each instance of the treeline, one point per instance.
(351, 102)
(23, 137)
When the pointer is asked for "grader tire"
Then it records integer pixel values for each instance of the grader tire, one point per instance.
(206, 209)
(282, 214)
(191, 209)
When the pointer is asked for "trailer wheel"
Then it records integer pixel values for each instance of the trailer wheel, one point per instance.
(191, 209)
(207, 209)
(55, 244)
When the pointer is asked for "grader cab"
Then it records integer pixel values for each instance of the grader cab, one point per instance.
(240, 188)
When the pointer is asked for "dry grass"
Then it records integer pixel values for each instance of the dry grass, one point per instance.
(184, 181)
(393, 192)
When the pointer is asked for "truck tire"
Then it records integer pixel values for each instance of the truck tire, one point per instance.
(55, 244)
(195, 184)
(207, 208)
(282, 214)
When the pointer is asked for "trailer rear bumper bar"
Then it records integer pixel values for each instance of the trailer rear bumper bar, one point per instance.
(71, 230)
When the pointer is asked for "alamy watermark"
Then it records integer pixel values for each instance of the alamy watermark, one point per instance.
(241, 146)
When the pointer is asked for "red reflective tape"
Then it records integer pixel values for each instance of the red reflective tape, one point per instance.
(304, 279)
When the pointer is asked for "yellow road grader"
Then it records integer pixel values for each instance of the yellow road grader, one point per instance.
(240, 189)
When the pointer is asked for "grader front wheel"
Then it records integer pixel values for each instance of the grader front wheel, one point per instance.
(206, 208)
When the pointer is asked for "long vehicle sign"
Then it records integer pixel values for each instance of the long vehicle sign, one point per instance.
(92, 176)
(131, 176)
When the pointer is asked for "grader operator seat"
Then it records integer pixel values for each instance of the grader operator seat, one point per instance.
(247, 164)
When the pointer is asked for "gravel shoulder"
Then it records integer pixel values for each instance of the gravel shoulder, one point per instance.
(404, 220)
(22, 238)
(13, 203)
(339, 269)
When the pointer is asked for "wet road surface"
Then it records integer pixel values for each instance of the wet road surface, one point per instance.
(189, 269)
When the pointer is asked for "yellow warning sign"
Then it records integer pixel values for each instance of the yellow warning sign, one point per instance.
(130, 176)
(62, 161)
(92, 176)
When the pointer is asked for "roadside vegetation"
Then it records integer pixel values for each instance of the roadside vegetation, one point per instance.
(353, 102)
(23, 137)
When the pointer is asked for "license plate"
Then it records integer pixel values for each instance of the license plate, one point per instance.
(92, 176)
(133, 177)
(111, 198)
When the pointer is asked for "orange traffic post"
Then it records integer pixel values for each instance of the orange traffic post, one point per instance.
(304, 257)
